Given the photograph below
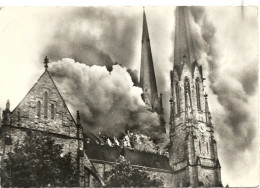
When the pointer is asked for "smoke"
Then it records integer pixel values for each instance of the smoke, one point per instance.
(107, 101)
(133, 74)
(96, 36)
(106, 35)
(230, 63)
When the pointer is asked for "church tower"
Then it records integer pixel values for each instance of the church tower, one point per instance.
(193, 154)
(147, 76)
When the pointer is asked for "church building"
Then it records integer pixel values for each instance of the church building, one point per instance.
(193, 157)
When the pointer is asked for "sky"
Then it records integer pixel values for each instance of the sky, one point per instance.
(226, 40)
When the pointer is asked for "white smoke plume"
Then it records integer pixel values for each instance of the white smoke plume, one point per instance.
(107, 101)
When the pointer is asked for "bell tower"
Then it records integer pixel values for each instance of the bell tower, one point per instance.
(193, 154)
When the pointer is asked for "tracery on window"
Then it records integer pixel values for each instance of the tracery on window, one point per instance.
(187, 93)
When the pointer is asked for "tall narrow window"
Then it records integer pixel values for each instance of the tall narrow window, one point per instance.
(39, 109)
(52, 111)
(177, 97)
(198, 93)
(45, 104)
(207, 147)
(187, 93)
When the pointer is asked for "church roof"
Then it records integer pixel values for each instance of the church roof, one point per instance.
(106, 153)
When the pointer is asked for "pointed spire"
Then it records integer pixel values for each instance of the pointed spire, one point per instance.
(172, 126)
(145, 36)
(46, 61)
(207, 113)
(206, 102)
(7, 107)
(147, 74)
(183, 45)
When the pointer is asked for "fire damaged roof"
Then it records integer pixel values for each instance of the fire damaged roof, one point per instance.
(106, 153)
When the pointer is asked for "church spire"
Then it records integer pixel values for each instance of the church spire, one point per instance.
(207, 112)
(192, 122)
(183, 44)
(145, 35)
(147, 75)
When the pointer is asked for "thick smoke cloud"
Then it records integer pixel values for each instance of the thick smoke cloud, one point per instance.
(95, 36)
(230, 64)
(107, 101)
(105, 36)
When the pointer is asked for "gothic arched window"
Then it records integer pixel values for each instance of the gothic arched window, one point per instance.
(52, 111)
(177, 91)
(198, 93)
(45, 104)
(187, 92)
(39, 109)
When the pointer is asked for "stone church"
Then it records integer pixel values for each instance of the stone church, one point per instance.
(193, 158)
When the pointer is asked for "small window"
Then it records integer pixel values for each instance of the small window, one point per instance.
(52, 111)
(39, 109)
(200, 146)
(45, 104)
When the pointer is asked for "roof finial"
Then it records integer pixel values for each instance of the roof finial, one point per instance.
(46, 61)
